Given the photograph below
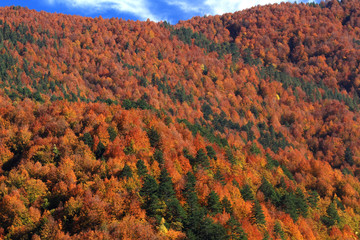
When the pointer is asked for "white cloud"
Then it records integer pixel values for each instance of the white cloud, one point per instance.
(186, 6)
(136, 7)
(224, 6)
(219, 6)
(143, 10)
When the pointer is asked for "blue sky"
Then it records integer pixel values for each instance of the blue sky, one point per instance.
(156, 10)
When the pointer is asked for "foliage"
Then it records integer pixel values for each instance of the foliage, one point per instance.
(196, 130)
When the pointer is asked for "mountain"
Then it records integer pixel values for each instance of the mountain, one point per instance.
(240, 126)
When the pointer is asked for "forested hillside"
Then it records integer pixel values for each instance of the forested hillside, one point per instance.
(240, 126)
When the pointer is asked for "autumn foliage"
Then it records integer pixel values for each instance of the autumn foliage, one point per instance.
(240, 126)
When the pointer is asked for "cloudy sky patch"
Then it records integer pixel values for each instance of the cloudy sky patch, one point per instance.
(156, 10)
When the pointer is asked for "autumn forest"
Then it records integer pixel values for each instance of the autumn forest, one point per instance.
(239, 126)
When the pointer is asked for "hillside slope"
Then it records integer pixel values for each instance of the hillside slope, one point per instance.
(241, 126)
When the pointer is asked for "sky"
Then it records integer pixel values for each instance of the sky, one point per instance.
(156, 10)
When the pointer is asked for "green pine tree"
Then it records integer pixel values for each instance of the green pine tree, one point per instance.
(258, 216)
(247, 193)
(213, 203)
(278, 232)
(254, 149)
(166, 189)
(332, 217)
(154, 137)
(289, 204)
(301, 203)
(269, 192)
(141, 168)
(126, 172)
(313, 199)
(226, 204)
(159, 156)
(349, 156)
(150, 187)
(153, 206)
(202, 158)
(235, 230)
(211, 152)
(100, 150)
(112, 133)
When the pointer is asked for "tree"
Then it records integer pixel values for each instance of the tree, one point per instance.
(236, 232)
(202, 159)
(195, 213)
(88, 140)
(150, 187)
(229, 155)
(190, 183)
(154, 137)
(278, 230)
(56, 154)
(129, 149)
(301, 202)
(247, 193)
(313, 198)
(207, 111)
(100, 150)
(141, 168)
(219, 177)
(112, 133)
(213, 203)
(126, 172)
(175, 213)
(166, 189)
(159, 156)
(332, 217)
(258, 216)
(289, 203)
(211, 231)
(211, 152)
(227, 205)
(269, 192)
(152, 204)
(254, 149)
(349, 156)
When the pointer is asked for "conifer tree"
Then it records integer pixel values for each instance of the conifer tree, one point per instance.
(202, 159)
(332, 217)
(166, 189)
(278, 230)
(226, 204)
(152, 204)
(258, 216)
(289, 204)
(313, 198)
(126, 172)
(88, 140)
(100, 150)
(159, 156)
(301, 203)
(269, 192)
(154, 137)
(150, 187)
(247, 193)
(236, 231)
(349, 156)
(211, 152)
(141, 168)
(213, 203)
(112, 133)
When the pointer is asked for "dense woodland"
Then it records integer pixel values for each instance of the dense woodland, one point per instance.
(240, 126)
